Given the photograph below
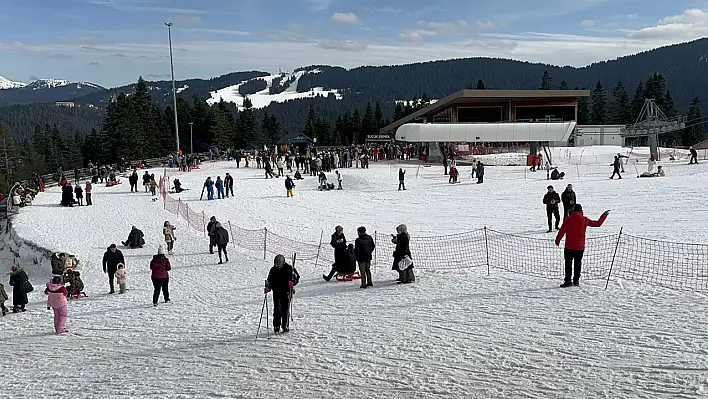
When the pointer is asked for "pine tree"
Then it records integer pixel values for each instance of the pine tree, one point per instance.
(480, 85)
(224, 127)
(598, 105)
(399, 112)
(378, 117)
(309, 128)
(368, 125)
(583, 110)
(8, 153)
(248, 129)
(354, 127)
(638, 101)
(546, 81)
(563, 85)
(695, 131)
(620, 108)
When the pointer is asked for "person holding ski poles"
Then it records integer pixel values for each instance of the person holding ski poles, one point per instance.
(280, 281)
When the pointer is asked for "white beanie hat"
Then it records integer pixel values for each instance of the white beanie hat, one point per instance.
(160, 250)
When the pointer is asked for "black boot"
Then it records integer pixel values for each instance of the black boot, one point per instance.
(326, 278)
(566, 284)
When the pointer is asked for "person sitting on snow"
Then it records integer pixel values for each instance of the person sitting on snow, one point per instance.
(298, 176)
(178, 186)
(73, 278)
(135, 238)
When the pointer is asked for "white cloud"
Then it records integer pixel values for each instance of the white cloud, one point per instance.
(220, 32)
(289, 49)
(689, 25)
(348, 18)
(444, 28)
(138, 6)
(187, 19)
(632, 16)
(588, 23)
(319, 5)
(344, 45)
(412, 36)
(488, 25)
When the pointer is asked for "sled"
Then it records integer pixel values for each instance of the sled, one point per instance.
(112, 183)
(76, 295)
(348, 277)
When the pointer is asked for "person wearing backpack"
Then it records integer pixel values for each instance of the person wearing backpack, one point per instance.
(281, 280)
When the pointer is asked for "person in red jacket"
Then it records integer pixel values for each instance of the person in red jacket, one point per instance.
(573, 229)
(160, 265)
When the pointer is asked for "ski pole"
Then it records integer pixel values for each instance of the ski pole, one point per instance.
(267, 313)
(265, 299)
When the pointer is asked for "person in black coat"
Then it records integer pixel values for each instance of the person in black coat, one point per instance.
(551, 200)
(229, 185)
(18, 281)
(402, 241)
(133, 180)
(280, 281)
(401, 179)
(364, 248)
(147, 179)
(694, 156)
(222, 239)
(480, 172)
(212, 238)
(135, 238)
(111, 258)
(568, 199)
(289, 185)
(67, 195)
(616, 168)
(339, 243)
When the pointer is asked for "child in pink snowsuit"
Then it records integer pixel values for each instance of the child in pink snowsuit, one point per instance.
(56, 299)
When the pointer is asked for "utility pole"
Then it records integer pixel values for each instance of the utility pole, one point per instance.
(191, 138)
(174, 89)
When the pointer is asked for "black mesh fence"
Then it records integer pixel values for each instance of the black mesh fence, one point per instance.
(668, 264)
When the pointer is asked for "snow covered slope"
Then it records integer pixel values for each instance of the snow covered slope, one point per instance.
(52, 83)
(452, 334)
(263, 98)
(9, 84)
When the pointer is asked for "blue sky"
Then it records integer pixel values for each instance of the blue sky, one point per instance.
(112, 42)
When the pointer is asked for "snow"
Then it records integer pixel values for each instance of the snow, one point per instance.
(263, 98)
(455, 333)
(52, 83)
(6, 83)
(181, 89)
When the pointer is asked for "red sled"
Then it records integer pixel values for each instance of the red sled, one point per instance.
(348, 277)
(75, 295)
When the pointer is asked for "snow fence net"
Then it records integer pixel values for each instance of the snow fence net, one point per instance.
(680, 266)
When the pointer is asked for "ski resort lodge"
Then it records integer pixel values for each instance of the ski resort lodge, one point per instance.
(497, 116)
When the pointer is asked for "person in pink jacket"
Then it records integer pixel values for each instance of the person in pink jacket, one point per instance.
(56, 299)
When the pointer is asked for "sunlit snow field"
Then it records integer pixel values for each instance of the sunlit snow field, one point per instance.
(458, 334)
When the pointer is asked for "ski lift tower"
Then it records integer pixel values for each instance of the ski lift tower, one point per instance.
(652, 122)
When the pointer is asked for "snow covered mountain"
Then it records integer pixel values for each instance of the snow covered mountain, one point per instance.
(264, 90)
(6, 83)
(44, 91)
(52, 83)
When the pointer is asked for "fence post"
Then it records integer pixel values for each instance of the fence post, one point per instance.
(486, 250)
(319, 247)
(204, 222)
(619, 236)
(265, 242)
(375, 250)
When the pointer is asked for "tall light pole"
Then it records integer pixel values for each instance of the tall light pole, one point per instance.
(191, 138)
(174, 89)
